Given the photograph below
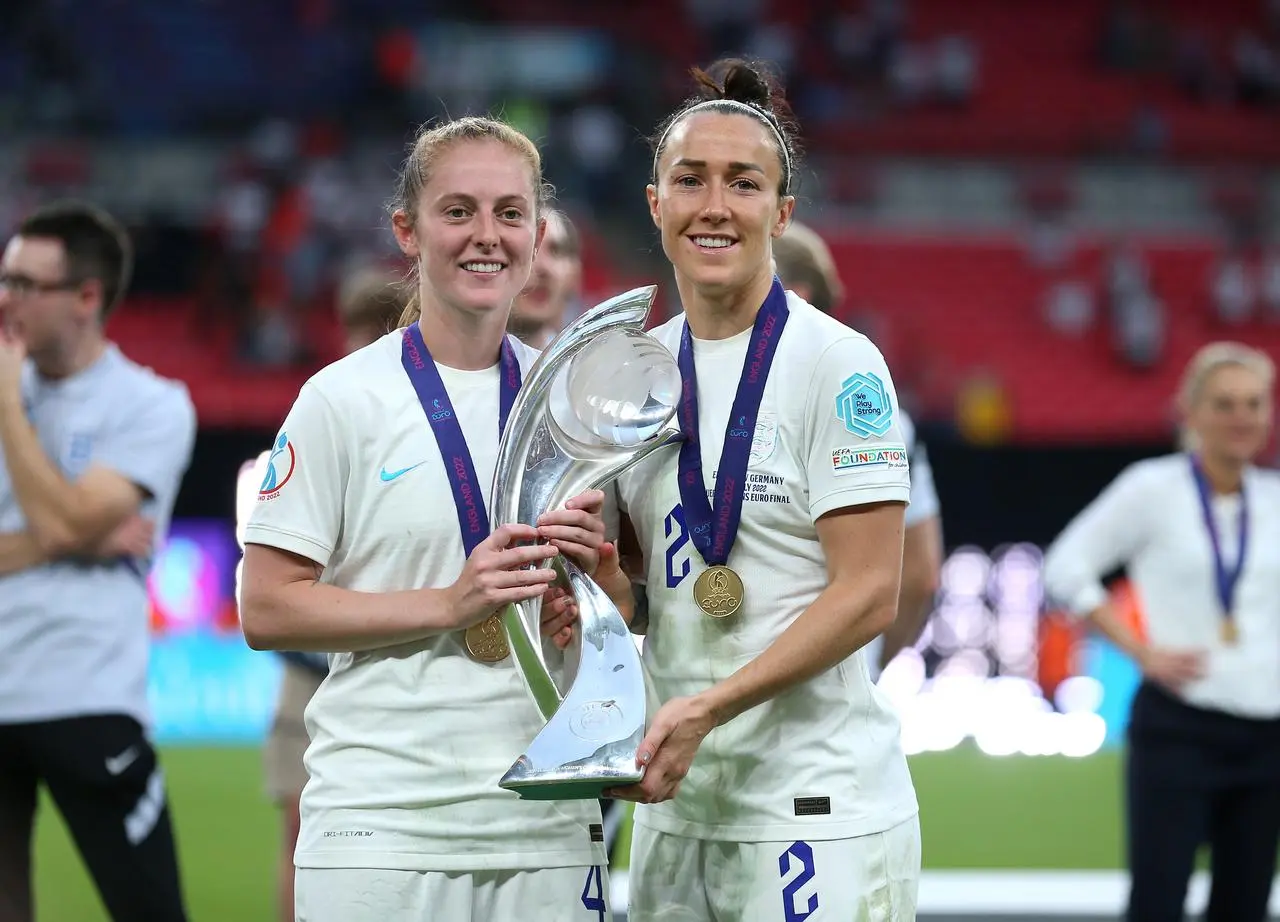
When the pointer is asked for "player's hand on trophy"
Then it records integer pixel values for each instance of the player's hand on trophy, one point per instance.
(560, 609)
(667, 750)
(495, 574)
(612, 578)
(559, 615)
(577, 530)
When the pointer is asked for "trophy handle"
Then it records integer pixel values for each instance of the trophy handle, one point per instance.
(589, 742)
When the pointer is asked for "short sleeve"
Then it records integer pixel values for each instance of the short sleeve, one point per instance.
(924, 496)
(300, 500)
(856, 453)
(152, 446)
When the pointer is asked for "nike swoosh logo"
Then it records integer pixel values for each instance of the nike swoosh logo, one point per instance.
(388, 476)
(119, 763)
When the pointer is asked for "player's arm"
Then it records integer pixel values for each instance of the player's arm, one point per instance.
(294, 529)
(863, 547)
(859, 482)
(75, 517)
(285, 606)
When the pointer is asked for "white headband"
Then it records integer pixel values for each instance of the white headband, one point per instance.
(749, 109)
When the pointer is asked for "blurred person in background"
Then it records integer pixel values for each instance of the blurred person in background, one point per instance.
(805, 265)
(370, 303)
(350, 549)
(1199, 532)
(94, 448)
(761, 596)
(555, 285)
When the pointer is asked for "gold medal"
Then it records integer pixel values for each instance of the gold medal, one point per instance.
(1230, 633)
(718, 592)
(487, 641)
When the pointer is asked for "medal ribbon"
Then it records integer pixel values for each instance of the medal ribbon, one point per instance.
(714, 528)
(1227, 579)
(468, 496)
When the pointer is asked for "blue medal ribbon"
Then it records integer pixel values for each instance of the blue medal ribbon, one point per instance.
(714, 528)
(1227, 578)
(468, 495)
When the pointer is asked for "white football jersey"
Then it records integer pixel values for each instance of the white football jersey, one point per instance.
(408, 742)
(822, 760)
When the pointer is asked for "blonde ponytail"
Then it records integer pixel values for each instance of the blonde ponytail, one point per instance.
(412, 311)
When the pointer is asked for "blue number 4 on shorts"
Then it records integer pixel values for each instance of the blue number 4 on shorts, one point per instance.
(594, 901)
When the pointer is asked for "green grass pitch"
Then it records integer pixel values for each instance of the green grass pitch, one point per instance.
(976, 812)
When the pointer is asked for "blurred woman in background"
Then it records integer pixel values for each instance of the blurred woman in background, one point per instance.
(1199, 532)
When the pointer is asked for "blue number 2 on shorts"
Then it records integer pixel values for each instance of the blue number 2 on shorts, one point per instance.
(594, 902)
(803, 854)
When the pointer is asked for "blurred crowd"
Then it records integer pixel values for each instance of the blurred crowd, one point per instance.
(303, 108)
(1242, 67)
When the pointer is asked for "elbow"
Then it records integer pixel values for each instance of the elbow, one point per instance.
(258, 623)
(881, 611)
(881, 618)
(254, 634)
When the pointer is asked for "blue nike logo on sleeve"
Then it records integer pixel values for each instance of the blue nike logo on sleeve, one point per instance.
(388, 476)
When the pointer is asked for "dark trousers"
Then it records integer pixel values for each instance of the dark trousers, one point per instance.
(1198, 777)
(103, 775)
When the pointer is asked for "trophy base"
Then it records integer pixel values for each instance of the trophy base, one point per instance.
(569, 789)
(586, 780)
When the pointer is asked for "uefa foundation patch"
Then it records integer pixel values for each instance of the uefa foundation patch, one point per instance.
(847, 459)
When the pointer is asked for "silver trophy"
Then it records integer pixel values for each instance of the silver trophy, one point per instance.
(600, 398)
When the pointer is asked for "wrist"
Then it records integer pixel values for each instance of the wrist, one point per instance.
(715, 705)
(450, 618)
(616, 586)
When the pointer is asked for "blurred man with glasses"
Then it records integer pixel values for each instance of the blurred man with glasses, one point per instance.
(93, 449)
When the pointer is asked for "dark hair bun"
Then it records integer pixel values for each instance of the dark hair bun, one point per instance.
(731, 81)
(738, 81)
